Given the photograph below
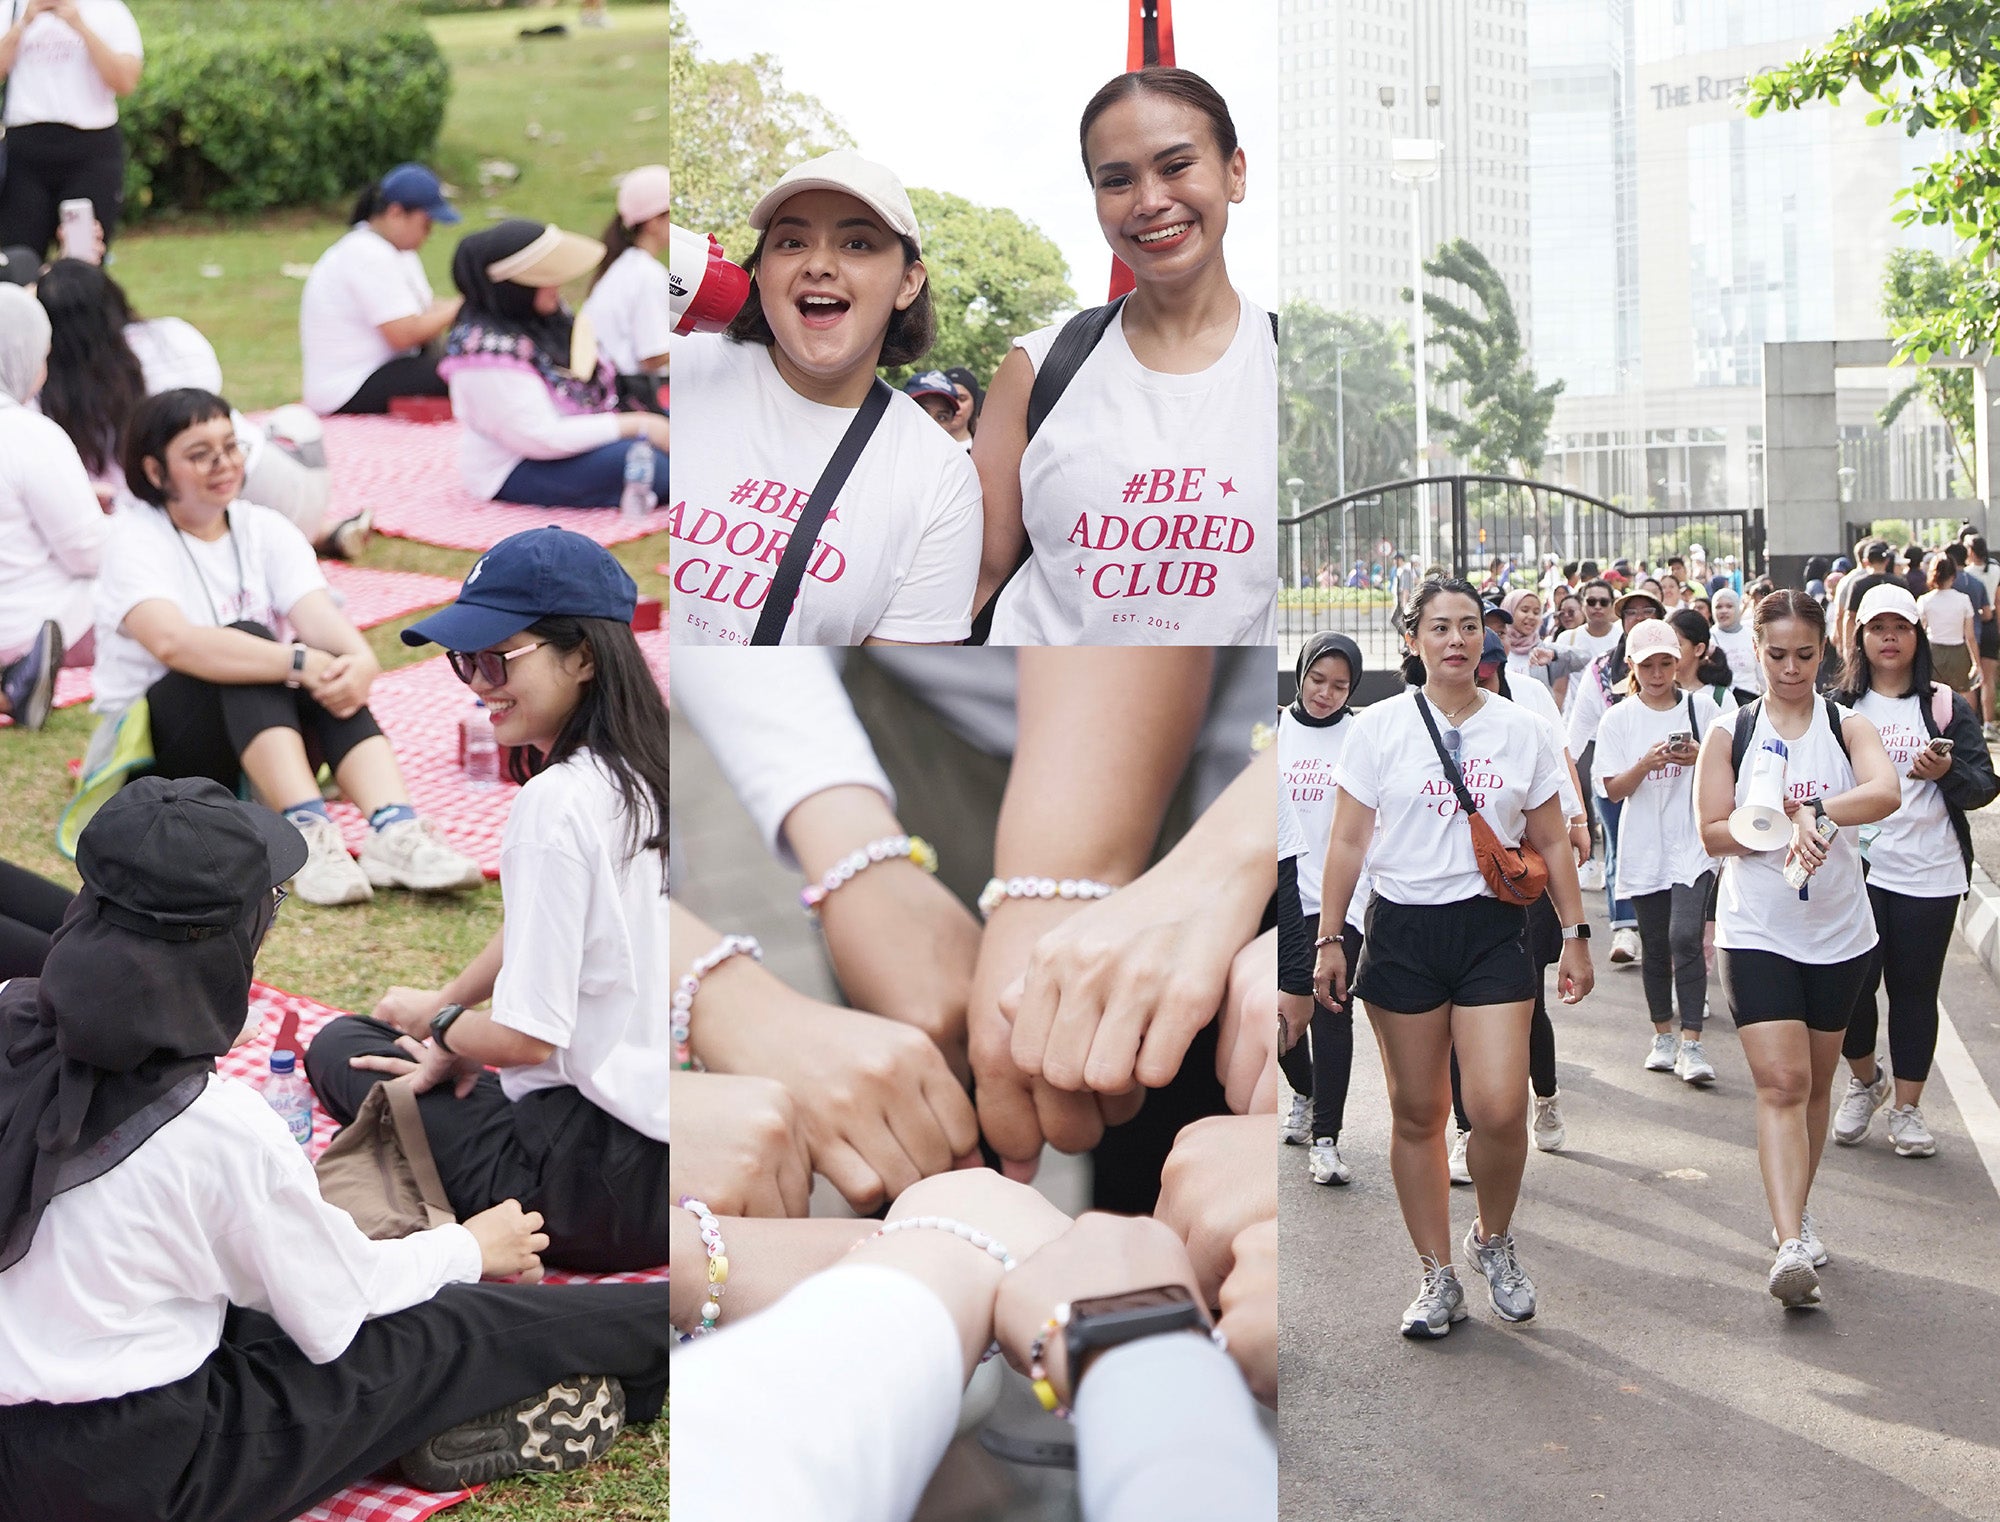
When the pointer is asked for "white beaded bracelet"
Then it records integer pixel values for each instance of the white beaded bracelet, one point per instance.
(684, 991)
(913, 848)
(959, 1229)
(718, 1266)
(999, 889)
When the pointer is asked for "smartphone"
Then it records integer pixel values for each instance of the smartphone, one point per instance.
(1939, 746)
(79, 235)
(1682, 740)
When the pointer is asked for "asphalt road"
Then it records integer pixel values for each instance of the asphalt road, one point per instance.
(1659, 1380)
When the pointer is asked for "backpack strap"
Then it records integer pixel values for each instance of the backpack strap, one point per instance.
(1074, 344)
(1746, 725)
(1833, 718)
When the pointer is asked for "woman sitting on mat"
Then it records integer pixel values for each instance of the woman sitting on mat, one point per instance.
(628, 303)
(575, 1122)
(538, 405)
(196, 591)
(173, 1290)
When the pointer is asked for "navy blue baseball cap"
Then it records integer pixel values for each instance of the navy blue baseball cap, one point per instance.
(526, 577)
(1494, 651)
(414, 186)
(931, 383)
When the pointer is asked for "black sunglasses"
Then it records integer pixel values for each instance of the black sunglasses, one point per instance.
(1597, 602)
(491, 665)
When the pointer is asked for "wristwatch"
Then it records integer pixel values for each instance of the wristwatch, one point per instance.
(441, 1022)
(298, 672)
(1091, 1326)
(1580, 931)
(1818, 806)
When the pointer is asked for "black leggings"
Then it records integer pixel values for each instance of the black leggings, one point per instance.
(405, 375)
(1919, 930)
(1321, 1064)
(259, 1432)
(1670, 932)
(31, 908)
(49, 163)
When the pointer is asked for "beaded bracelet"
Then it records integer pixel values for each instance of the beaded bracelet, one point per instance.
(718, 1266)
(682, 1015)
(972, 1234)
(999, 889)
(1038, 1368)
(912, 848)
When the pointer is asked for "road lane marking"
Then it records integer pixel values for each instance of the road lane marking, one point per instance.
(1976, 1105)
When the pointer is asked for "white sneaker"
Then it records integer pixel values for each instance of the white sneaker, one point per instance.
(1438, 1304)
(1326, 1163)
(1858, 1106)
(1665, 1053)
(1907, 1130)
(1461, 1173)
(1624, 946)
(1590, 876)
(1549, 1133)
(1298, 1122)
(330, 876)
(1809, 1235)
(1691, 1065)
(409, 854)
(1794, 1281)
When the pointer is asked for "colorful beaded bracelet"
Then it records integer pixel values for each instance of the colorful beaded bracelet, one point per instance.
(999, 889)
(1038, 1370)
(718, 1266)
(912, 848)
(682, 1011)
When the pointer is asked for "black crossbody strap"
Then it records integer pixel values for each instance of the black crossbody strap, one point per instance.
(1074, 344)
(1451, 771)
(792, 564)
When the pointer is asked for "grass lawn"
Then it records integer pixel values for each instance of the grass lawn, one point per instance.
(584, 91)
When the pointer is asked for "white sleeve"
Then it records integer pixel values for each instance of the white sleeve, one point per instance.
(874, 1358)
(1614, 749)
(545, 884)
(933, 605)
(1548, 779)
(1358, 775)
(651, 315)
(513, 409)
(56, 492)
(379, 283)
(291, 568)
(1586, 707)
(1572, 805)
(789, 733)
(133, 570)
(119, 32)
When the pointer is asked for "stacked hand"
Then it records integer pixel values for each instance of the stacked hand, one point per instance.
(740, 1147)
(1218, 1181)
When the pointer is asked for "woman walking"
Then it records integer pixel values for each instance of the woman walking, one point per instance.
(1950, 626)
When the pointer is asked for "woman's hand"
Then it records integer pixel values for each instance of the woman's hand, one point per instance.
(1218, 1180)
(1330, 974)
(432, 1064)
(1249, 1304)
(1016, 1216)
(738, 1146)
(1295, 1015)
(1246, 1053)
(341, 685)
(875, 923)
(1930, 765)
(1579, 843)
(1807, 848)
(410, 1010)
(511, 1242)
(1574, 975)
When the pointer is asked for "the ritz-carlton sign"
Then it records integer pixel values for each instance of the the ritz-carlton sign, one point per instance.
(1705, 88)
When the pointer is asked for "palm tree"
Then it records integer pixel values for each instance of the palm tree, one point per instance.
(1503, 427)
(1336, 368)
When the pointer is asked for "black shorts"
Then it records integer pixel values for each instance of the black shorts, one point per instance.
(1989, 640)
(1761, 985)
(1415, 957)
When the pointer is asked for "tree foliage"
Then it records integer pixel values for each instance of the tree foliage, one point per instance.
(1332, 367)
(1917, 286)
(1932, 64)
(993, 276)
(1504, 425)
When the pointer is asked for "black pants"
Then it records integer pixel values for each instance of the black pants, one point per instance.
(201, 729)
(1544, 939)
(1322, 1064)
(405, 375)
(259, 1432)
(601, 1186)
(1670, 932)
(1916, 934)
(31, 908)
(49, 163)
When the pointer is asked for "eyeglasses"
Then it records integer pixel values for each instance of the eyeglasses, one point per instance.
(1597, 602)
(491, 665)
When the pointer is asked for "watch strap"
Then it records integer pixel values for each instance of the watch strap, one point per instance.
(442, 1022)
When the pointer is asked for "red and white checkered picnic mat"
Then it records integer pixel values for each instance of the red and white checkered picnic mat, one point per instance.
(374, 597)
(408, 473)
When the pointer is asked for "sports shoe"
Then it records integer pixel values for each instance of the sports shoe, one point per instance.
(1590, 876)
(1624, 946)
(1548, 1128)
(1298, 1122)
(563, 1428)
(1858, 1106)
(409, 854)
(1461, 1171)
(1438, 1304)
(1809, 1235)
(1326, 1163)
(349, 537)
(1794, 1281)
(330, 875)
(1907, 1130)
(1691, 1065)
(1665, 1053)
(1512, 1290)
(30, 683)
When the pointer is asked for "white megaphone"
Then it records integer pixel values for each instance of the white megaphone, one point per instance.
(704, 290)
(1761, 825)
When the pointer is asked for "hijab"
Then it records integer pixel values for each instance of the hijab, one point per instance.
(498, 326)
(1518, 641)
(1311, 653)
(24, 345)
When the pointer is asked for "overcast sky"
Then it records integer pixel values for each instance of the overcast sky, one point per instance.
(982, 100)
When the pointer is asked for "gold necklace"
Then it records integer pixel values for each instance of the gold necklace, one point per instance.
(1452, 718)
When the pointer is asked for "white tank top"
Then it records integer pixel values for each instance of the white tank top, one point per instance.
(1149, 501)
(1757, 909)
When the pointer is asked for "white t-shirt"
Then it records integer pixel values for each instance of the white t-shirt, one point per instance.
(1916, 852)
(628, 311)
(52, 532)
(1757, 910)
(1587, 703)
(1659, 840)
(212, 584)
(1423, 851)
(54, 79)
(360, 283)
(1591, 645)
(1739, 649)
(173, 353)
(585, 950)
(1148, 501)
(511, 415)
(1539, 701)
(898, 557)
(1944, 614)
(1308, 757)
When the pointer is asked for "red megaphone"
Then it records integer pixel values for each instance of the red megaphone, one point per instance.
(704, 289)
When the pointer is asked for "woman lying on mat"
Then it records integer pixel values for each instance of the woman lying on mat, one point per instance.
(575, 1123)
(214, 611)
(538, 404)
(188, 1332)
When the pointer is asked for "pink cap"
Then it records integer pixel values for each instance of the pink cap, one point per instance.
(1652, 636)
(644, 193)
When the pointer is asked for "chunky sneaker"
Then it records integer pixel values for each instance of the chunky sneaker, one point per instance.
(1590, 876)
(1512, 1290)
(1907, 1130)
(1326, 1163)
(1438, 1304)
(330, 875)
(1548, 1132)
(409, 854)
(1794, 1281)
(1624, 946)
(350, 537)
(1858, 1106)
(1461, 1170)
(1665, 1053)
(1298, 1122)
(30, 683)
(563, 1428)
(1691, 1065)
(1809, 1236)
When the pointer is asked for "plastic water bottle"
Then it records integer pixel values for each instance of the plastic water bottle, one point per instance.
(638, 498)
(478, 751)
(286, 1092)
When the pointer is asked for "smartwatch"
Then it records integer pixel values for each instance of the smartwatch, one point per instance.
(1091, 1326)
(1580, 931)
(441, 1022)
(1818, 806)
(298, 672)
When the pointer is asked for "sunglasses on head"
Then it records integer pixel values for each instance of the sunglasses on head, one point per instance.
(491, 665)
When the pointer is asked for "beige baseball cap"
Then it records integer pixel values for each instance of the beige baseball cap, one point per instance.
(554, 258)
(844, 170)
(644, 193)
(1652, 636)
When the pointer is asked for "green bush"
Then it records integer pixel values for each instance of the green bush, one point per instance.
(247, 105)
(1335, 597)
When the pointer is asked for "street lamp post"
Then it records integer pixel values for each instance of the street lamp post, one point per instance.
(1414, 160)
(1339, 422)
(1295, 486)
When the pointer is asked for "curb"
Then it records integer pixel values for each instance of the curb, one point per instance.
(1979, 921)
